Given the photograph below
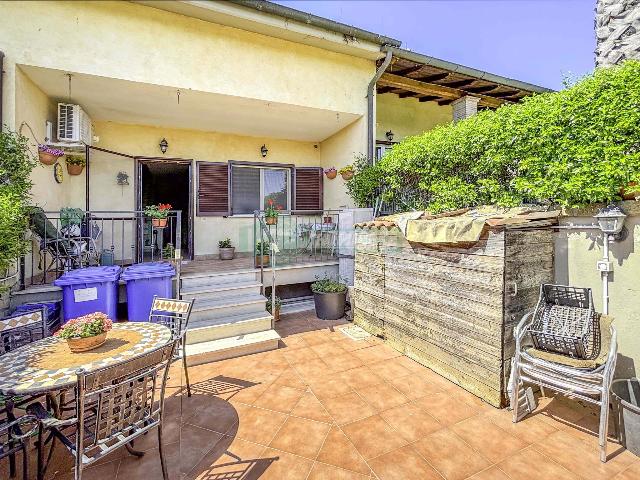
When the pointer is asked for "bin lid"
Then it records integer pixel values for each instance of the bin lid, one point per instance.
(148, 270)
(89, 274)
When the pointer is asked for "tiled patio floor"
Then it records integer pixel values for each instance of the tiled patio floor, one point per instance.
(328, 407)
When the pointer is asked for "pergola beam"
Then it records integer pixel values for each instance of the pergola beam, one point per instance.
(432, 89)
(427, 98)
(408, 94)
(406, 71)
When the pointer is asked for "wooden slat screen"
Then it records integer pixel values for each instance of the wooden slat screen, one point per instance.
(308, 188)
(213, 189)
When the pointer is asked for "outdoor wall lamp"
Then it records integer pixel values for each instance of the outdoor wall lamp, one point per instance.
(611, 222)
(164, 145)
(264, 150)
(389, 135)
(611, 219)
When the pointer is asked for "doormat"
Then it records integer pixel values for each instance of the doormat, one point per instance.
(354, 332)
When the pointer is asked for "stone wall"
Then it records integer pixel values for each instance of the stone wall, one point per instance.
(617, 31)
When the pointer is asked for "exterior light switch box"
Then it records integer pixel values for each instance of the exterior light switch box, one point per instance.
(604, 266)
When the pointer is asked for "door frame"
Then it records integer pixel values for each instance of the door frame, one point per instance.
(139, 161)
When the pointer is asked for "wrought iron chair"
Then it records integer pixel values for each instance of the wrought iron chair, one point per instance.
(21, 329)
(174, 314)
(14, 434)
(576, 362)
(114, 406)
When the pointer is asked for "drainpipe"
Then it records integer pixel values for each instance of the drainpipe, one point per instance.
(1, 77)
(370, 97)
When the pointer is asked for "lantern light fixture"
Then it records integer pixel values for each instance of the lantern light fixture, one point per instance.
(389, 135)
(611, 219)
(264, 150)
(164, 145)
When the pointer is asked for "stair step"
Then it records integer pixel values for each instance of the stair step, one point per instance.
(231, 347)
(197, 280)
(205, 308)
(217, 291)
(206, 330)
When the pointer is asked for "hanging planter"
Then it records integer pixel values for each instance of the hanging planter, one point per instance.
(48, 155)
(271, 213)
(630, 192)
(331, 173)
(75, 164)
(346, 172)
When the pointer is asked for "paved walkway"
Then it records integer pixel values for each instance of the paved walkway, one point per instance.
(328, 407)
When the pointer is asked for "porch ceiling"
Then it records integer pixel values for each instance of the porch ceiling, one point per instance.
(123, 101)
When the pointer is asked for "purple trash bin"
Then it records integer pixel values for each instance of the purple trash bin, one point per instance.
(88, 290)
(144, 281)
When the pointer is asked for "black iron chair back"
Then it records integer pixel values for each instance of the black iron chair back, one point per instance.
(21, 329)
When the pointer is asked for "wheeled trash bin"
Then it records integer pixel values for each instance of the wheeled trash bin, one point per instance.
(144, 281)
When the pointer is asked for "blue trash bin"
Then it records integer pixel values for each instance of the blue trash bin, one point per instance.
(144, 281)
(88, 290)
(52, 312)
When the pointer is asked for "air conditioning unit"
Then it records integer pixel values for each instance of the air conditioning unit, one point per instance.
(74, 125)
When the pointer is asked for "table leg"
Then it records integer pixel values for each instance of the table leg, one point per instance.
(132, 451)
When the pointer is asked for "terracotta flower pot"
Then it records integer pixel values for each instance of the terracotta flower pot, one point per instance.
(347, 175)
(77, 345)
(327, 219)
(262, 260)
(331, 174)
(159, 222)
(271, 220)
(74, 169)
(47, 158)
(629, 195)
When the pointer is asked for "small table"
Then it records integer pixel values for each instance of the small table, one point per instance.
(48, 365)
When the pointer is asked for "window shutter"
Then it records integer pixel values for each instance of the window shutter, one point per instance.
(213, 189)
(308, 188)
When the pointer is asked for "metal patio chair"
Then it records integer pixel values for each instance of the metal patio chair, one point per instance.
(565, 355)
(14, 434)
(21, 329)
(114, 406)
(174, 314)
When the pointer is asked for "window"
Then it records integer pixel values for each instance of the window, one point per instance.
(253, 187)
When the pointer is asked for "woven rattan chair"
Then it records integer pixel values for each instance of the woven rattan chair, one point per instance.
(174, 314)
(114, 406)
(14, 434)
(584, 377)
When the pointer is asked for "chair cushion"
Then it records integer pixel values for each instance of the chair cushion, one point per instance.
(597, 358)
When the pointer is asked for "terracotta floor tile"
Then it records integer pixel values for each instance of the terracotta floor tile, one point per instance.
(249, 394)
(340, 363)
(451, 455)
(530, 429)
(315, 338)
(487, 438)
(375, 354)
(229, 455)
(279, 398)
(285, 466)
(414, 387)
(411, 422)
(389, 369)
(311, 370)
(219, 416)
(293, 342)
(330, 387)
(409, 364)
(320, 471)
(630, 473)
(373, 436)
(300, 355)
(328, 349)
(338, 450)
(403, 464)
(492, 473)
(351, 345)
(442, 408)
(529, 464)
(301, 436)
(347, 408)
(310, 407)
(290, 378)
(359, 377)
(382, 396)
(258, 425)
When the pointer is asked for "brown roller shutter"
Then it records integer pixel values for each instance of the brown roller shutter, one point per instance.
(213, 189)
(308, 188)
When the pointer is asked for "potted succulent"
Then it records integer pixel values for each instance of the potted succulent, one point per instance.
(158, 214)
(331, 173)
(329, 297)
(262, 254)
(75, 164)
(48, 155)
(271, 213)
(86, 332)
(274, 311)
(346, 172)
(225, 250)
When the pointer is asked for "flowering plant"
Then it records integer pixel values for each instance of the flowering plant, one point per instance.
(346, 169)
(86, 326)
(157, 211)
(56, 152)
(330, 170)
(272, 210)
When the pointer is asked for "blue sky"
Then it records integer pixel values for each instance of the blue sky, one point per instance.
(538, 41)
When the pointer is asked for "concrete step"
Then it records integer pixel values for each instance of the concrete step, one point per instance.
(302, 304)
(207, 309)
(206, 330)
(220, 290)
(231, 347)
(192, 281)
(35, 293)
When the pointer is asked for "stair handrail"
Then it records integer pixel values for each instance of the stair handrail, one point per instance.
(273, 250)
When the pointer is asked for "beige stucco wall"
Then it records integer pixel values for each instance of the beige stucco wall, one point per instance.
(576, 254)
(407, 116)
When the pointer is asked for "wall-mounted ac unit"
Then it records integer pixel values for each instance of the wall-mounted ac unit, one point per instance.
(74, 125)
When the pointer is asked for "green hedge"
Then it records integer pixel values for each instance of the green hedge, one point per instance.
(569, 148)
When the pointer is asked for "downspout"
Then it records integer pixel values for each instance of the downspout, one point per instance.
(1, 89)
(370, 120)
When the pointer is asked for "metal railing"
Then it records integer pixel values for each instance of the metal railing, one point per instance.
(259, 221)
(67, 240)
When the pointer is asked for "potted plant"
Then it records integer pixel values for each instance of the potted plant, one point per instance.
(225, 250)
(168, 252)
(630, 192)
(48, 155)
(158, 214)
(274, 311)
(75, 164)
(262, 254)
(331, 173)
(271, 213)
(86, 332)
(346, 172)
(329, 297)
